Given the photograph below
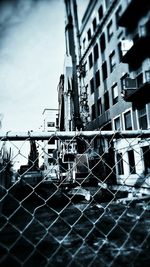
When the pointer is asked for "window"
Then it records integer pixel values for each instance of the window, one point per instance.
(93, 112)
(89, 34)
(112, 60)
(51, 124)
(94, 24)
(147, 76)
(131, 161)
(90, 61)
(110, 30)
(51, 141)
(99, 106)
(117, 124)
(83, 43)
(104, 70)
(50, 151)
(123, 78)
(120, 163)
(127, 120)
(92, 85)
(96, 53)
(114, 94)
(106, 101)
(146, 157)
(50, 160)
(57, 121)
(102, 42)
(142, 117)
(119, 52)
(100, 12)
(118, 13)
(97, 79)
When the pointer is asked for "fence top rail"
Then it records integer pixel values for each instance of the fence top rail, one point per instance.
(63, 135)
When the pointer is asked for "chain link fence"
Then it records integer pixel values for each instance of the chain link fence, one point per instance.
(75, 199)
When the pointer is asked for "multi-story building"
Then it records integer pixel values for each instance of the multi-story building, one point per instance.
(50, 125)
(115, 38)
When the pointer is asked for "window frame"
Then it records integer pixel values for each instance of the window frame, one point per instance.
(112, 61)
(96, 52)
(131, 157)
(89, 34)
(99, 107)
(115, 99)
(97, 79)
(92, 87)
(123, 114)
(93, 112)
(119, 163)
(90, 58)
(147, 117)
(104, 70)
(120, 128)
(110, 32)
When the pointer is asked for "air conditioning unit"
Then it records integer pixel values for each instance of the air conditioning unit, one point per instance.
(130, 83)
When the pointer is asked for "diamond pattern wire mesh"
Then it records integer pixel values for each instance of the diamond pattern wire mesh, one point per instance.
(91, 211)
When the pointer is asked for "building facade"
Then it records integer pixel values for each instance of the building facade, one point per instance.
(50, 118)
(115, 37)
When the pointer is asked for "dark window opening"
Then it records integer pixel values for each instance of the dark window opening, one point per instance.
(84, 43)
(102, 42)
(127, 121)
(89, 34)
(90, 61)
(96, 53)
(51, 124)
(112, 61)
(51, 141)
(99, 106)
(93, 112)
(119, 52)
(106, 101)
(100, 12)
(50, 160)
(104, 71)
(110, 30)
(97, 78)
(50, 150)
(146, 157)
(92, 85)
(123, 81)
(142, 117)
(114, 94)
(94, 24)
(117, 124)
(131, 161)
(118, 13)
(120, 163)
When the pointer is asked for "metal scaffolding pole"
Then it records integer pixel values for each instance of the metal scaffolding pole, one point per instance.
(19, 136)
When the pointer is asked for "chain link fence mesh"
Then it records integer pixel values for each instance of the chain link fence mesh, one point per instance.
(77, 200)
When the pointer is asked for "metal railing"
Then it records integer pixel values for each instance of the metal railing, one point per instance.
(84, 204)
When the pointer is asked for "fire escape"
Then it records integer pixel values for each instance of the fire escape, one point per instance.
(135, 51)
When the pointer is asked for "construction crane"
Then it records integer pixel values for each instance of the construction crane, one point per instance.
(69, 101)
(71, 91)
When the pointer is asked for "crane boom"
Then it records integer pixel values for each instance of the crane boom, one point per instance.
(71, 89)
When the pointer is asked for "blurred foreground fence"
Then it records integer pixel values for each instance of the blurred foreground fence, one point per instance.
(80, 199)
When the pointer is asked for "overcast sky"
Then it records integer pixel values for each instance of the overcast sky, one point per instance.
(32, 51)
